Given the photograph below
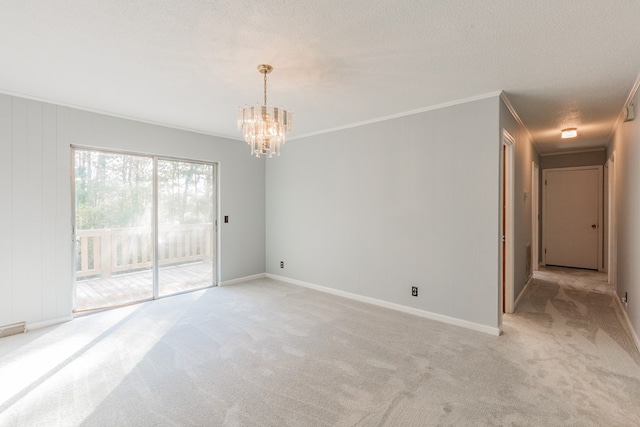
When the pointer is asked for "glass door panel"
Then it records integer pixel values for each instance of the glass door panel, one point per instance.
(113, 229)
(186, 239)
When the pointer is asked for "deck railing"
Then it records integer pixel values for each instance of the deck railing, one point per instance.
(105, 252)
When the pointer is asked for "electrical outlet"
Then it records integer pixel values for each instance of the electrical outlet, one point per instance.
(414, 291)
(281, 264)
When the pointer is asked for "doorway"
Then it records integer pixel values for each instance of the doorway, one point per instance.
(186, 208)
(572, 217)
(144, 227)
(611, 232)
(507, 222)
(535, 216)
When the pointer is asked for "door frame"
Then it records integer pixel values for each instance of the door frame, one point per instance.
(611, 222)
(507, 178)
(600, 209)
(535, 216)
(215, 241)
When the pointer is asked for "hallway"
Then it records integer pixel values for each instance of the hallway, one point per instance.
(573, 333)
(574, 278)
(568, 302)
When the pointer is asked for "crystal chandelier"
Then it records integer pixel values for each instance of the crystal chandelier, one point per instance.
(264, 127)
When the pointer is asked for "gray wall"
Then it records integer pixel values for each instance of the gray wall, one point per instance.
(35, 189)
(573, 160)
(625, 148)
(524, 155)
(378, 208)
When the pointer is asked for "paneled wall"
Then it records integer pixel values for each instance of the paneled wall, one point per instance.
(35, 189)
(35, 246)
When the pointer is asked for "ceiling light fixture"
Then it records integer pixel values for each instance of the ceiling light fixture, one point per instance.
(569, 133)
(264, 127)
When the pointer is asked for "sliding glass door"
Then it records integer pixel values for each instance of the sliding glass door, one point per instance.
(113, 229)
(144, 227)
(186, 210)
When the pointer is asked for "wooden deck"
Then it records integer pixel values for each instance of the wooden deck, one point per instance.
(127, 288)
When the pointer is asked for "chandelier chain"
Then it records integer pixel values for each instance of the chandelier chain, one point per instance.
(265, 88)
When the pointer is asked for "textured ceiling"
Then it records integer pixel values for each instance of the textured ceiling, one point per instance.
(190, 64)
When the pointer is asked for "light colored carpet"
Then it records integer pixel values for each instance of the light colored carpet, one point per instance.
(266, 353)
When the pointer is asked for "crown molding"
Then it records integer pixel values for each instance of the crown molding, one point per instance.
(117, 116)
(398, 115)
(514, 113)
(621, 116)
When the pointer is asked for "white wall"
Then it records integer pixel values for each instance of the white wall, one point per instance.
(626, 149)
(524, 155)
(35, 189)
(375, 209)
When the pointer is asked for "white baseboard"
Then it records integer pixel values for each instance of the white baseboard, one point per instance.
(625, 319)
(242, 279)
(393, 306)
(50, 322)
(519, 299)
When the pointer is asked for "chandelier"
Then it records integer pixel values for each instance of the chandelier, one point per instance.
(264, 127)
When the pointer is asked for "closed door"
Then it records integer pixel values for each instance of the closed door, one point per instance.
(572, 216)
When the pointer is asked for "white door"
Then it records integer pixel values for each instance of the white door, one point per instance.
(571, 222)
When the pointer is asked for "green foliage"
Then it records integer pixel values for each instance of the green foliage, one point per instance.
(116, 191)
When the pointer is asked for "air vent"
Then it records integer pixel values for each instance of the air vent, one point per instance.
(13, 329)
